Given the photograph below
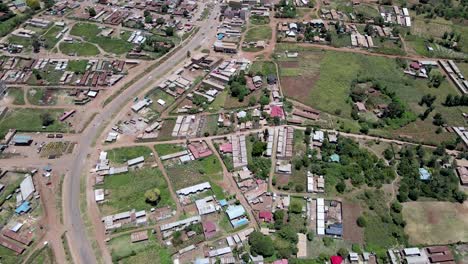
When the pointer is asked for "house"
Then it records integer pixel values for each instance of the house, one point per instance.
(271, 79)
(199, 150)
(335, 158)
(235, 211)
(336, 260)
(415, 65)
(424, 174)
(276, 111)
(361, 106)
(257, 81)
(226, 148)
(266, 216)
(22, 140)
(209, 229)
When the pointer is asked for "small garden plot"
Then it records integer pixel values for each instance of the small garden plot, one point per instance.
(150, 251)
(158, 94)
(127, 191)
(16, 96)
(45, 255)
(31, 120)
(55, 149)
(166, 149)
(193, 172)
(166, 130)
(42, 96)
(259, 20)
(435, 223)
(234, 103)
(300, 163)
(211, 126)
(263, 68)
(122, 155)
(79, 49)
(366, 11)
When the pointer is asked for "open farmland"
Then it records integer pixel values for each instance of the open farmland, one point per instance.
(322, 79)
(122, 250)
(122, 155)
(434, 223)
(256, 33)
(91, 33)
(127, 190)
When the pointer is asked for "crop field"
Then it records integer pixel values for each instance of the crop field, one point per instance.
(256, 33)
(435, 223)
(127, 191)
(322, 79)
(122, 155)
(264, 67)
(91, 33)
(56, 149)
(149, 251)
(29, 120)
(201, 170)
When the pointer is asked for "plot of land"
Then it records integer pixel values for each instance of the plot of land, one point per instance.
(56, 149)
(122, 155)
(193, 172)
(127, 190)
(79, 49)
(434, 223)
(257, 33)
(29, 120)
(40, 96)
(149, 251)
(91, 33)
(157, 94)
(165, 149)
(16, 96)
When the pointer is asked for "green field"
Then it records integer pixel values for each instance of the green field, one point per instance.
(25, 42)
(122, 155)
(201, 170)
(80, 49)
(322, 79)
(127, 191)
(91, 33)
(157, 94)
(264, 67)
(49, 37)
(42, 256)
(17, 95)
(29, 120)
(124, 251)
(436, 223)
(77, 66)
(256, 33)
(165, 149)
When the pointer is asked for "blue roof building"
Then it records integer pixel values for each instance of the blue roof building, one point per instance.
(223, 202)
(235, 211)
(23, 208)
(334, 230)
(22, 140)
(335, 158)
(239, 222)
(424, 174)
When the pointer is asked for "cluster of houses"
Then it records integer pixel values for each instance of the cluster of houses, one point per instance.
(427, 255)
(127, 218)
(229, 35)
(455, 75)
(328, 217)
(18, 232)
(396, 15)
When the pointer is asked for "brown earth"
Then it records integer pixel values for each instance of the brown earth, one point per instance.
(298, 87)
(289, 64)
(351, 231)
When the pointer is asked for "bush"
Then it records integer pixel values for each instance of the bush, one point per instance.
(310, 235)
(361, 221)
(299, 188)
(327, 241)
(343, 252)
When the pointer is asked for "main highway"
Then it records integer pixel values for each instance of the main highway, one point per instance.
(78, 241)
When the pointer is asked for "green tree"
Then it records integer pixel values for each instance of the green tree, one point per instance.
(343, 252)
(91, 12)
(46, 119)
(33, 4)
(153, 196)
(288, 233)
(169, 31)
(258, 148)
(261, 244)
(295, 207)
(361, 221)
(340, 187)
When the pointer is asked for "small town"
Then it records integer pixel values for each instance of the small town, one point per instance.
(234, 131)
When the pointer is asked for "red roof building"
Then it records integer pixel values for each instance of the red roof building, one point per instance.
(226, 148)
(199, 150)
(265, 216)
(336, 260)
(415, 65)
(276, 111)
(209, 229)
(280, 261)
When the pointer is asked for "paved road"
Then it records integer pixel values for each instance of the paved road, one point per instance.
(79, 243)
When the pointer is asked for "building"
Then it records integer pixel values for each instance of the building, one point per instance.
(206, 205)
(265, 216)
(27, 187)
(424, 174)
(209, 229)
(22, 140)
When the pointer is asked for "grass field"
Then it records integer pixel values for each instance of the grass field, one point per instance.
(322, 79)
(124, 251)
(435, 223)
(77, 66)
(80, 49)
(50, 37)
(264, 67)
(165, 149)
(201, 170)
(29, 120)
(42, 256)
(157, 94)
(91, 33)
(122, 155)
(25, 42)
(127, 191)
(256, 33)
(17, 95)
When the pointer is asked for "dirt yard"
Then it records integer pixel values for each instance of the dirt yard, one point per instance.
(436, 222)
(352, 232)
(298, 87)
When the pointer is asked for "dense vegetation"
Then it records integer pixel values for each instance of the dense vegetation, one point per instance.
(443, 183)
(442, 8)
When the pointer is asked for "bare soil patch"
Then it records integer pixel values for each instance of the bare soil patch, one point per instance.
(289, 64)
(298, 87)
(351, 231)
